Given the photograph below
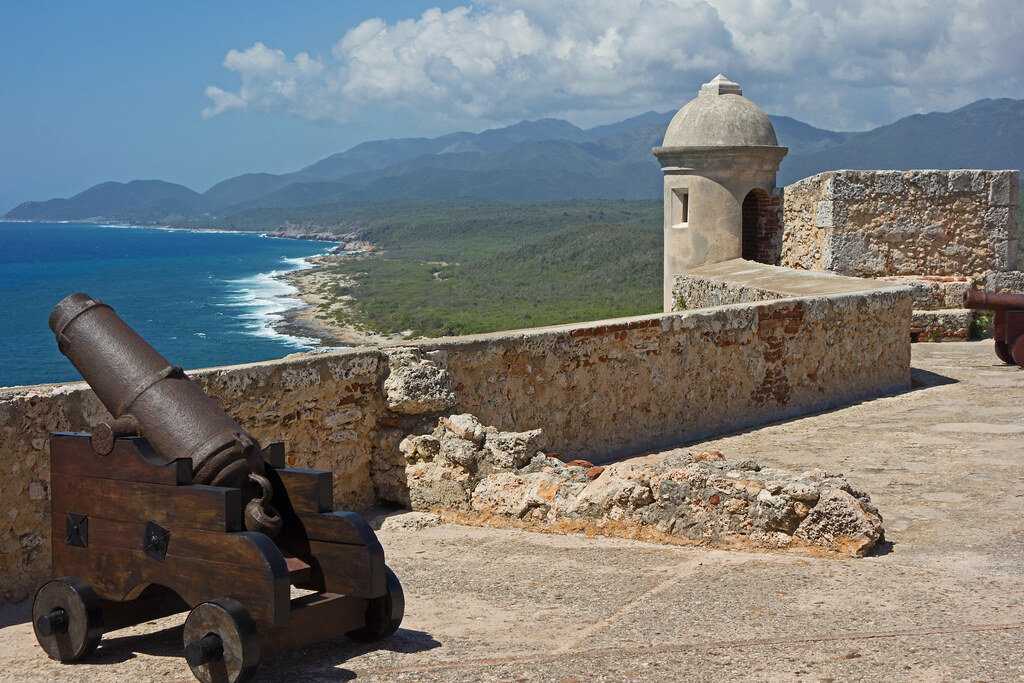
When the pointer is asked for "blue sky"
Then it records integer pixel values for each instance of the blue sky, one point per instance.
(196, 92)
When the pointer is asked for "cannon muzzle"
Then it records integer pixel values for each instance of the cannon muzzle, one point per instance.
(991, 301)
(150, 397)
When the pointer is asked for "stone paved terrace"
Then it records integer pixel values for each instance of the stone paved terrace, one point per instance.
(783, 281)
(943, 599)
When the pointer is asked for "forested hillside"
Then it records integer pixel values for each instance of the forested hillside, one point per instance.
(496, 267)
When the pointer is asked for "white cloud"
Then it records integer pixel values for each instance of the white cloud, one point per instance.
(844, 64)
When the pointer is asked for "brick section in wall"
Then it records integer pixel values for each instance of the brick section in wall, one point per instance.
(776, 327)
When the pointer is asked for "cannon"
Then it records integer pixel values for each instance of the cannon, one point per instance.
(171, 506)
(1009, 322)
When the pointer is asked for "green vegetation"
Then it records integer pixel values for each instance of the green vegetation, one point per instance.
(978, 326)
(351, 217)
(472, 268)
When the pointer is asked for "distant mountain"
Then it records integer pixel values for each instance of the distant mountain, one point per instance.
(985, 134)
(548, 160)
(651, 117)
(379, 154)
(136, 200)
(802, 138)
(249, 186)
(509, 184)
(370, 156)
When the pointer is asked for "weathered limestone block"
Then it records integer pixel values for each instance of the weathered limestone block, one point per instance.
(458, 451)
(419, 448)
(1003, 190)
(513, 494)
(438, 484)
(410, 521)
(775, 513)
(890, 183)
(691, 292)
(1009, 282)
(929, 183)
(841, 522)
(932, 292)
(418, 390)
(966, 180)
(850, 185)
(618, 485)
(942, 325)
(508, 450)
(487, 452)
(465, 426)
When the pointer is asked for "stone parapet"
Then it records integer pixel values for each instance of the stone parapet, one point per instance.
(953, 324)
(934, 292)
(599, 390)
(888, 223)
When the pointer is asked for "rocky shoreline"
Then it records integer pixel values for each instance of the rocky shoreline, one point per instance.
(317, 318)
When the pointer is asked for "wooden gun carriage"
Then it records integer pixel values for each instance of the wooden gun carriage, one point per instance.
(135, 537)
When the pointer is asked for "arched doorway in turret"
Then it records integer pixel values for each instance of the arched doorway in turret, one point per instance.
(757, 227)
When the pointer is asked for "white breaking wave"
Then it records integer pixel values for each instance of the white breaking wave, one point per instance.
(164, 228)
(264, 298)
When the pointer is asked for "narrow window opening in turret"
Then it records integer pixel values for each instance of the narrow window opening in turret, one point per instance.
(680, 207)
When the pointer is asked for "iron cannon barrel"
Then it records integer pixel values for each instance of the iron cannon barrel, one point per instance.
(991, 301)
(133, 381)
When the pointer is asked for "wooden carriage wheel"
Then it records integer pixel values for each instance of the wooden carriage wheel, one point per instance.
(221, 642)
(383, 614)
(67, 618)
(1003, 352)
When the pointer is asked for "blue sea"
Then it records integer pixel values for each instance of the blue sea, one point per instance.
(200, 298)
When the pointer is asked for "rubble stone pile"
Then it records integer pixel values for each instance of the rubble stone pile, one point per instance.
(469, 468)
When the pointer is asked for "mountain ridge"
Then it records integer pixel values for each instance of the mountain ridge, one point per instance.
(546, 160)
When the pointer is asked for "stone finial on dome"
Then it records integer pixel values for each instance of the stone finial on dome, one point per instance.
(720, 85)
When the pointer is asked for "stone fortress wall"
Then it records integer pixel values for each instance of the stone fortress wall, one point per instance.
(940, 232)
(599, 390)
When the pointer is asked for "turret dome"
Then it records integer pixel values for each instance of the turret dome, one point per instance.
(720, 116)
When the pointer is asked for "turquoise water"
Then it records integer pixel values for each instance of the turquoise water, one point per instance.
(200, 298)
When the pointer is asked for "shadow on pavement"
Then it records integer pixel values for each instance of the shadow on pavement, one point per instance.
(925, 379)
(322, 661)
(20, 613)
